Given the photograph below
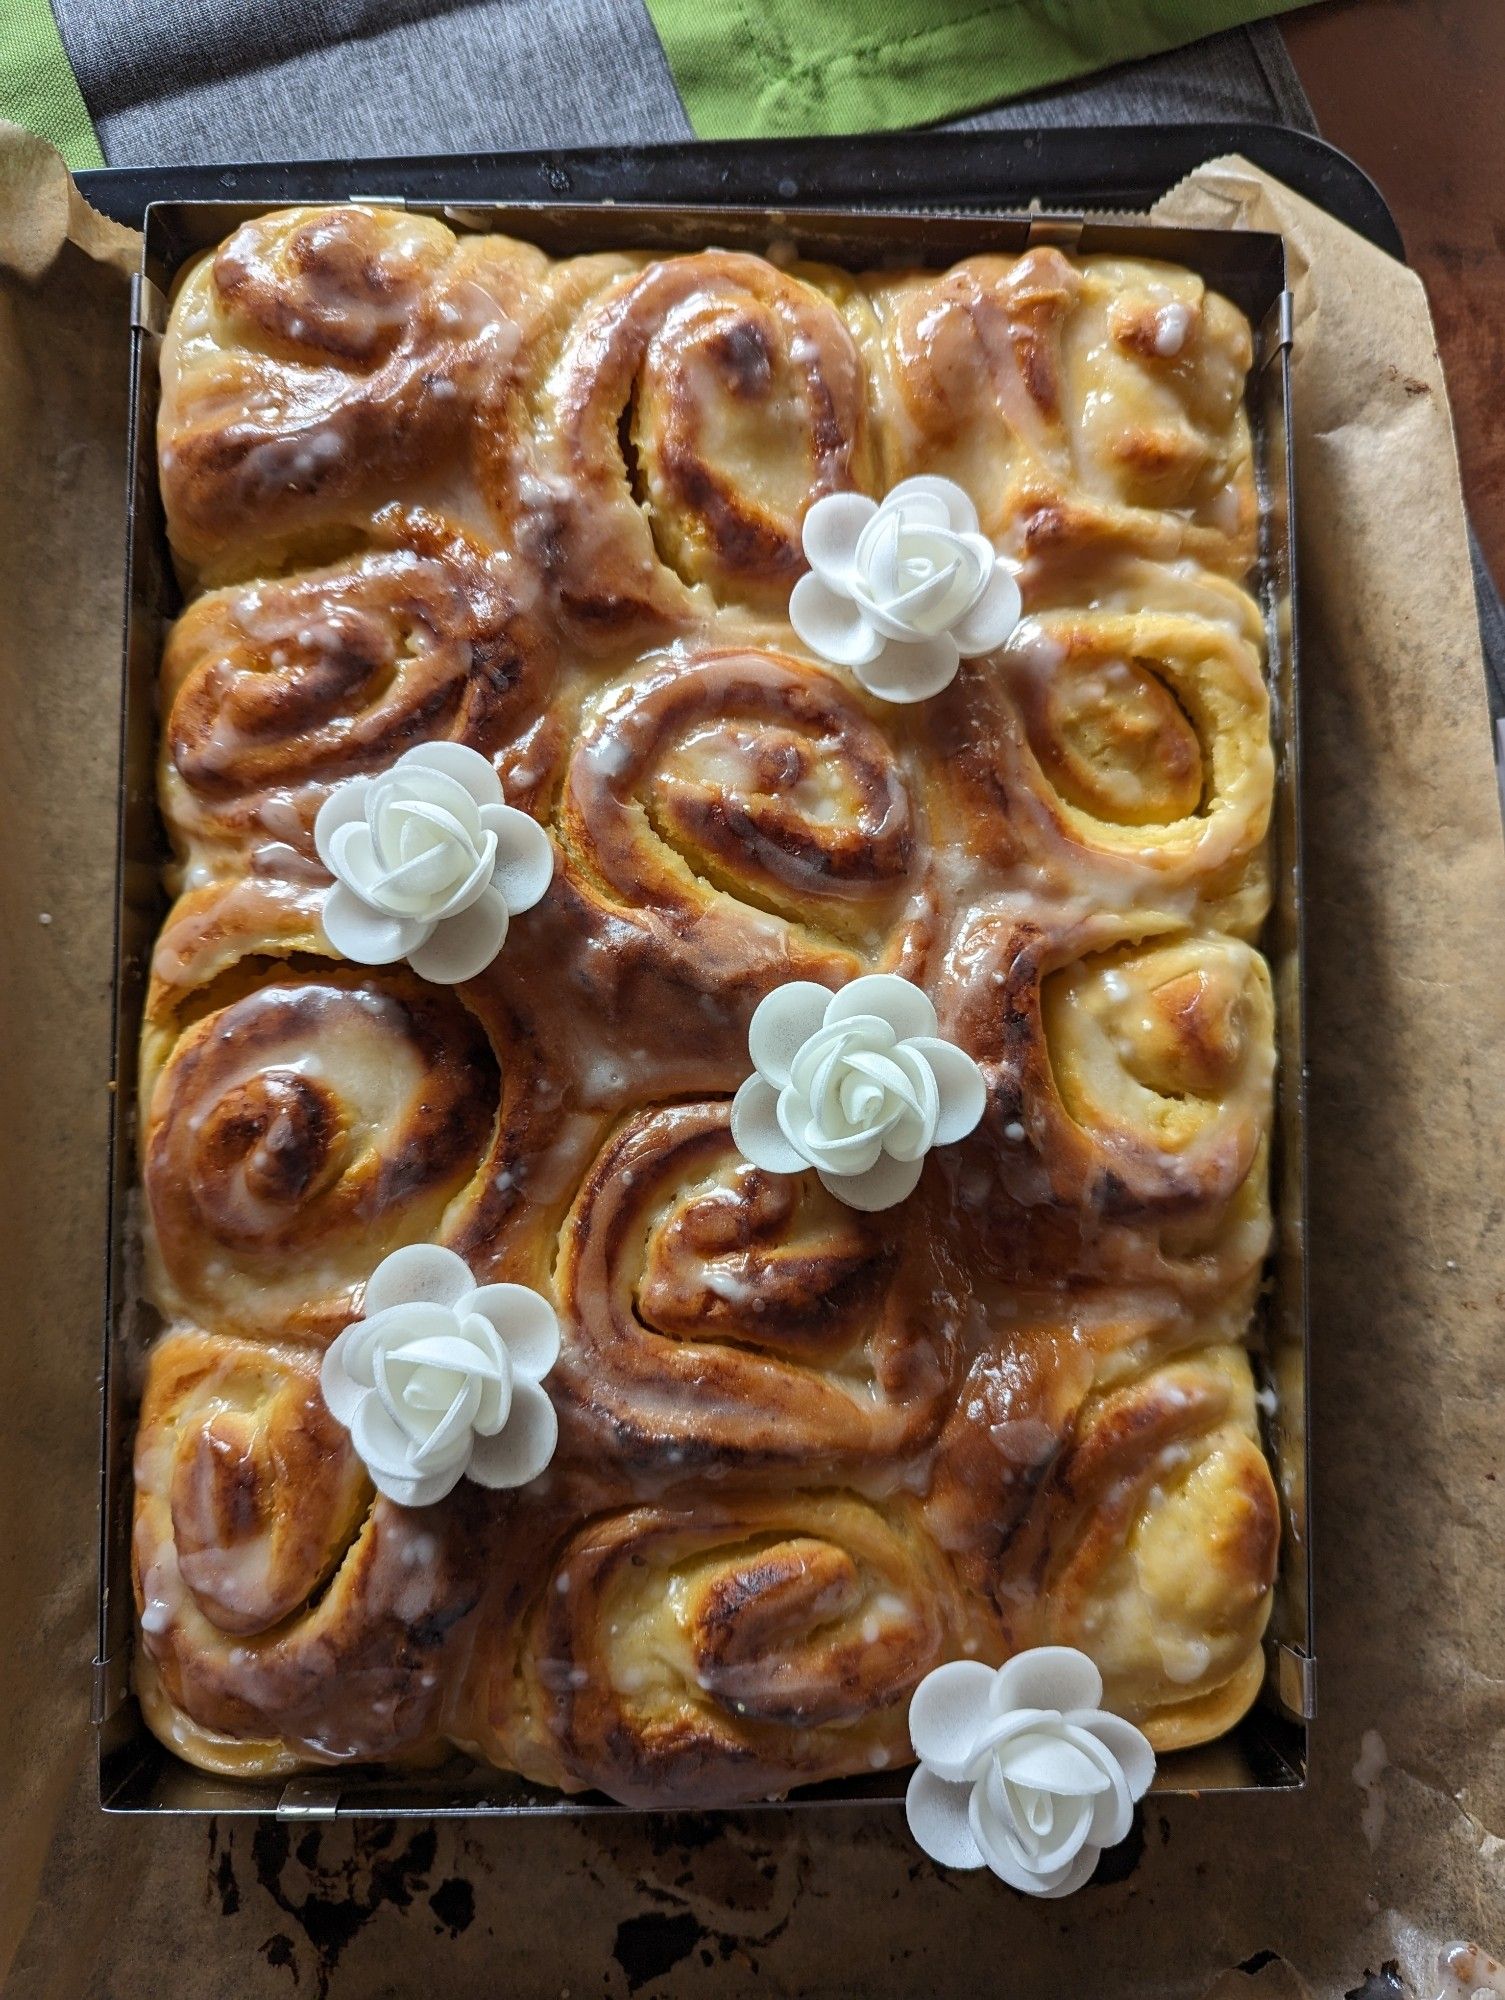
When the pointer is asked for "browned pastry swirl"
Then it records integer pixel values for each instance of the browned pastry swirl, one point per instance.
(287, 1616)
(299, 1130)
(320, 363)
(1091, 399)
(722, 1653)
(1152, 1546)
(719, 1317)
(699, 407)
(743, 811)
(1122, 757)
(276, 690)
(1126, 1076)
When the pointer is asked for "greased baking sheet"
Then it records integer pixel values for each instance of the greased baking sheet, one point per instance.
(1268, 1749)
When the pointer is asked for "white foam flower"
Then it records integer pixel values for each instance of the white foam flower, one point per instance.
(856, 1084)
(1021, 1770)
(429, 863)
(901, 591)
(440, 1379)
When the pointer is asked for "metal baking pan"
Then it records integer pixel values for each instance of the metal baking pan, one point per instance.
(1268, 1751)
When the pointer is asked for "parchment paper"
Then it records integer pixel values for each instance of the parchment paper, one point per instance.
(1340, 1890)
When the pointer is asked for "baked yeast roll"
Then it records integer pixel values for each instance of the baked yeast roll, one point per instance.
(1125, 1077)
(1132, 751)
(275, 691)
(1153, 1547)
(287, 1615)
(746, 815)
(708, 1655)
(299, 1123)
(723, 1319)
(1093, 398)
(323, 362)
(699, 407)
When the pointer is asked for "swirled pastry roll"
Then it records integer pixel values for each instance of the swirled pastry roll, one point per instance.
(323, 363)
(727, 1319)
(743, 813)
(427, 489)
(287, 1615)
(276, 690)
(725, 1651)
(1131, 752)
(1135, 1519)
(1087, 399)
(699, 406)
(297, 1126)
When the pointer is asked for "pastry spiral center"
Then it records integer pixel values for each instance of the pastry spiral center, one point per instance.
(1116, 743)
(272, 1140)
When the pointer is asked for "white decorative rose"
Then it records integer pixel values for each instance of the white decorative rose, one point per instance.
(440, 1379)
(1021, 1771)
(856, 1084)
(901, 592)
(429, 864)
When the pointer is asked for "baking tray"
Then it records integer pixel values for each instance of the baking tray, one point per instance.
(1268, 1751)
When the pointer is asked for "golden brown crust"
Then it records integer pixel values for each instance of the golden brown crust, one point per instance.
(301, 1126)
(282, 1605)
(322, 363)
(699, 406)
(430, 486)
(727, 1651)
(274, 691)
(724, 1319)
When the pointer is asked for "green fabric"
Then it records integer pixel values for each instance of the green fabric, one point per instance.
(762, 68)
(37, 85)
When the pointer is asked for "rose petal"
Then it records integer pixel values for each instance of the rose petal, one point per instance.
(464, 945)
(1112, 1808)
(527, 1324)
(830, 535)
(909, 670)
(458, 761)
(341, 1394)
(1001, 1729)
(885, 1183)
(938, 1819)
(1075, 1876)
(383, 1444)
(782, 1023)
(421, 784)
(1045, 1847)
(903, 1005)
(1127, 1746)
(364, 935)
(831, 625)
(1011, 1865)
(425, 1272)
(1047, 1677)
(416, 1489)
(947, 1711)
(345, 806)
(845, 1156)
(992, 618)
(524, 865)
(1046, 1760)
(959, 1082)
(958, 511)
(756, 1132)
(519, 1452)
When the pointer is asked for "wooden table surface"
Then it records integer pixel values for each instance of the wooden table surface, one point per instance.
(1414, 90)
